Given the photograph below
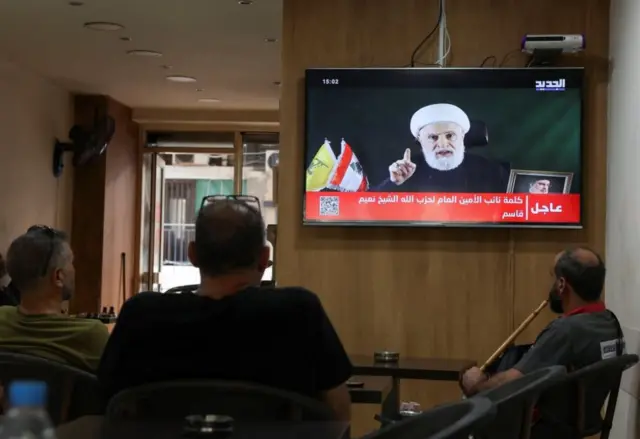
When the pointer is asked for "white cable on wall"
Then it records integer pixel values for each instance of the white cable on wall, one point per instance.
(442, 33)
(442, 62)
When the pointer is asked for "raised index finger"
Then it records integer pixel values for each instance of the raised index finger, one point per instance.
(407, 155)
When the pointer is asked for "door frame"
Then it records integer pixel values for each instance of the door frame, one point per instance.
(153, 239)
(143, 149)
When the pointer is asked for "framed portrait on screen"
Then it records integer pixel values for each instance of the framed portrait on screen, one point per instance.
(523, 181)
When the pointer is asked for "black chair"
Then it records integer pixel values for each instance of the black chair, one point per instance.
(451, 421)
(594, 383)
(245, 402)
(184, 289)
(72, 392)
(515, 402)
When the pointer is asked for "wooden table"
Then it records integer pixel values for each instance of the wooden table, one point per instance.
(95, 427)
(430, 369)
(375, 390)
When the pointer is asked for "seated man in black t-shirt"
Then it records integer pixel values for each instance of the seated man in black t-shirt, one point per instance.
(230, 329)
(585, 334)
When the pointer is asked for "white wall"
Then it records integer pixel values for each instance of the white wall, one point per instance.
(623, 199)
(33, 112)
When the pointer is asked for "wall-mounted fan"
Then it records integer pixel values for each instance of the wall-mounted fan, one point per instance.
(86, 142)
(273, 160)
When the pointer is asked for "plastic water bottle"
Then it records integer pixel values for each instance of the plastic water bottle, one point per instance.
(27, 417)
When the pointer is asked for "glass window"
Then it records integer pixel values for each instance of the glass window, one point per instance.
(188, 178)
(215, 187)
(260, 162)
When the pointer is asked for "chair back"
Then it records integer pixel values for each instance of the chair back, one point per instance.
(184, 289)
(591, 385)
(451, 421)
(244, 402)
(72, 392)
(515, 401)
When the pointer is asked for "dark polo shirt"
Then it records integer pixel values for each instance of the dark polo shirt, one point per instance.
(578, 339)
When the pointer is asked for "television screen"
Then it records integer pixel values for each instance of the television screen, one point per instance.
(437, 147)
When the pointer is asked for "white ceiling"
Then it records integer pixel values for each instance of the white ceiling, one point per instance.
(219, 42)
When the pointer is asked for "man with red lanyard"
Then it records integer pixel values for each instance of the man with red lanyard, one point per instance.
(585, 334)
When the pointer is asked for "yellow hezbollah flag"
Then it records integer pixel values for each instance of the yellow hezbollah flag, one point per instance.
(321, 168)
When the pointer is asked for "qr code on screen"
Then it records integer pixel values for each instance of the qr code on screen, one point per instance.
(329, 206)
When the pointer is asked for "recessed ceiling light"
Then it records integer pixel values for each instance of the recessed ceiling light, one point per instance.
(208, 100)
(270, 40)
(147, 53)
(125, 38)
(181, 78)
(103, 26)
(245, 2)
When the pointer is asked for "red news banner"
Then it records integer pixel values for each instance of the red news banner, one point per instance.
(441, 207)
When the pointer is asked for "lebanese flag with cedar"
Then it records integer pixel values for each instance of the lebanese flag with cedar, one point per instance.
(348, 175)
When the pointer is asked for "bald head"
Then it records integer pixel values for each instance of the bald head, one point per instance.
(583, 270)
(230, 238)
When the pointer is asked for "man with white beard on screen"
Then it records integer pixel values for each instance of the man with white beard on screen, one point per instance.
(440, 129)
(541, 186)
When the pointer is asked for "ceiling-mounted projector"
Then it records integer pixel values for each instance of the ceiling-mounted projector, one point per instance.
(557, 43)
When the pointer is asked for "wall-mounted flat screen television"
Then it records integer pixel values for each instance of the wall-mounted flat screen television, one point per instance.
(444, 147)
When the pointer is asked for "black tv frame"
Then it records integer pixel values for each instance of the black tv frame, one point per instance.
(444, 77)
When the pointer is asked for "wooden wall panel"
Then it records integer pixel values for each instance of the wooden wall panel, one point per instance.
(88, 216)
(120, 208)
(104, 210)
(437, 292)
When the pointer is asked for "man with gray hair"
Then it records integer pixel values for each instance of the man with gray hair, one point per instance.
(40, 264)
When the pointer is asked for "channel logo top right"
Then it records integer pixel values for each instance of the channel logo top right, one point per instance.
(558, 85)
